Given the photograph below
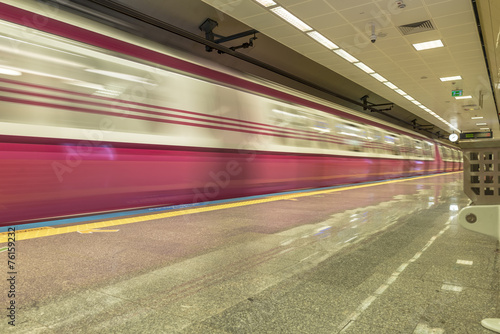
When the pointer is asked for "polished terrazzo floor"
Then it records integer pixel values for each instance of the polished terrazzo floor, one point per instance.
(387, 258)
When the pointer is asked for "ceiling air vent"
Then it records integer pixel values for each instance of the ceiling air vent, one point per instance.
(414, 28)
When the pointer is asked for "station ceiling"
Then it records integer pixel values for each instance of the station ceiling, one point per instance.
(306, 51)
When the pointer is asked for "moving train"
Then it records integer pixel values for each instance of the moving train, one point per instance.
(93, 119)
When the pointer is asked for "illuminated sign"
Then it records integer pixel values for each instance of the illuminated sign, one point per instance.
(458, 92)
(476, 135)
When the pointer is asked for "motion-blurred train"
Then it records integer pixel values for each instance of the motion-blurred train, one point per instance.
(93, 119)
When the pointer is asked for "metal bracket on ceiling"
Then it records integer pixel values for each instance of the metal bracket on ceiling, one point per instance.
(367, 104)
(422, 126)
(209, 25)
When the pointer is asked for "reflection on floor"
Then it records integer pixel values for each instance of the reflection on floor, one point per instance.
(386, 258)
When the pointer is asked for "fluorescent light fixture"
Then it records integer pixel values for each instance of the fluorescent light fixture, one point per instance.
(346, 55)
(408, 97)
(390, 85)
(8, 71)
(481, 124)
(423, 107)
(477, 117)
(416, 102)
(379, 77)
(364, 68)
(401, 92)
(463, 97)
(290, 18)
(488, 129)
(266, 3)
(322, 40)
(428, 45)
(456, 77)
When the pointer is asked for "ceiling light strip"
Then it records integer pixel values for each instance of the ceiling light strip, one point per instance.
(364, 68)
(390, 85)
(428, 45)
(456, 77)
(346, 55)
(379, 77)
(322, 40)
(301, 25)
(290, 18)
(267, 3)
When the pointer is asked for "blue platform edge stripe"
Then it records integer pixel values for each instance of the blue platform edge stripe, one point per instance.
(184, 206)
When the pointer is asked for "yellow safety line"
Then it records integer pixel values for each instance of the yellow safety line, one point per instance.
(38, 233)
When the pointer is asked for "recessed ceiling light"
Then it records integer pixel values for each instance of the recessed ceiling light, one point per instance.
(481, 123)
(477, 117)
(390, 85)
(416, 102)
(463, 97)
(346, 55)
(322, 40)
(399, 91)
(457, 77)
(484, 129)
(408, 97)
(364, 68)
(422, 106)
(428, 45)
(266, 3)
(290, 18)
(379, 77)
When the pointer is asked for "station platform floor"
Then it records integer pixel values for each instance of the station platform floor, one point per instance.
(384, 257)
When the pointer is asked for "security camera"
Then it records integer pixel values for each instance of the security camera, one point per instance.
(373, 36)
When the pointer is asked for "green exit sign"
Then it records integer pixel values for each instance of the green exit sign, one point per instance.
(458, 92)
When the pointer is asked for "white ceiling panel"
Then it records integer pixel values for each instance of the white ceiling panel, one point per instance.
(443, 9)
(410, 16)
(341, 5)
(308, 11)
(360, 13)
(327, 21)
(288, 3)
(278, 32)
(348, 24)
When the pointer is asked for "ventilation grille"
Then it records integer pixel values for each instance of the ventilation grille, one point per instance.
(414, 28)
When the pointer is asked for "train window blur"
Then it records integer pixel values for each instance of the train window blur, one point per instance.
(392, 143)
(375, 137)
(428, 150)
(321, 125)
(353, 136)
(146, 98)
(419, 150)
(407, 146)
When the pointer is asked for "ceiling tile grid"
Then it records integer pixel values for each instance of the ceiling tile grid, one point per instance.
(349, 24)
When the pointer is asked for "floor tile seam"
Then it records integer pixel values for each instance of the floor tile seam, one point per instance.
(353, 322)
(468, 286)
(65, 299)
(191, 288)
(394, 276)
